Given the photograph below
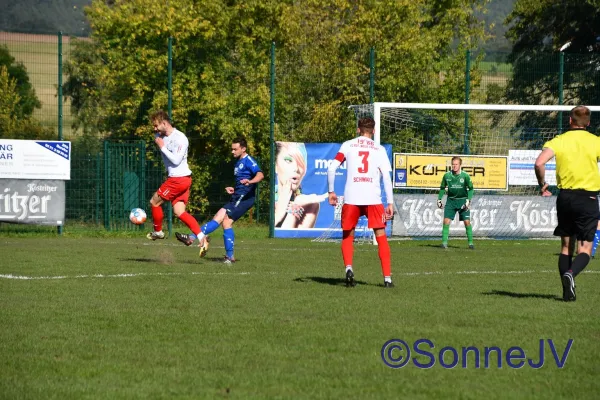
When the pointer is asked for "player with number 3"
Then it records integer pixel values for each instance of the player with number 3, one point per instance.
(366, 163)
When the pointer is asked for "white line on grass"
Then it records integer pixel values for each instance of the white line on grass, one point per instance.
(131, 275)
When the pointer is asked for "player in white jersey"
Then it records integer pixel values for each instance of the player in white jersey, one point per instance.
(173, 146)
(366, 164)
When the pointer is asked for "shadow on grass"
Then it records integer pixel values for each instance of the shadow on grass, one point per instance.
(522, 295)
(329, 281)
(169, 260)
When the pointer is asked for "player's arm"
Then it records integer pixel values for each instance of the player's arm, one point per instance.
(442, 188)
(257, 178)
(256, 172)
(540, 169)
(179, 154)
(470, 190)
(441, 192)
(337, 161)
(386, 169)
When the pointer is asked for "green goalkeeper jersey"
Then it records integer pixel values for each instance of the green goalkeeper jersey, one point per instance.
(459, 186)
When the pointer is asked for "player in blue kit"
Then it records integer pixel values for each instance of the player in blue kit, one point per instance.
(247, 175)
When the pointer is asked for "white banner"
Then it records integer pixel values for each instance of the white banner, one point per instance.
(35, 159)
(521, 168)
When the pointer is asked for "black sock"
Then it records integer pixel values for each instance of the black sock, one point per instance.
(564, 263)
(579, 263)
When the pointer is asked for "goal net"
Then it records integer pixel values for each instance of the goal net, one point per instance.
(498, 145)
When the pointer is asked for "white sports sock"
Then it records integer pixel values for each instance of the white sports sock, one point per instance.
(387, 279)
(349, 267)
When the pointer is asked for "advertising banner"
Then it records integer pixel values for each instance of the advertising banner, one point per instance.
(302, 206)
(35, 159)
(26, 201)
(491, 216)
(425, 171)
(521, 168)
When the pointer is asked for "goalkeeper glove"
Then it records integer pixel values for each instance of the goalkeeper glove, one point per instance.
(466, 205)
(440, 205)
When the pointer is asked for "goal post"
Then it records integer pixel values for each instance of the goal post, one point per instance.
(498, 145)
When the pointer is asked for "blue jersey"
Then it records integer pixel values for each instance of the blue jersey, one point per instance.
(245, 168)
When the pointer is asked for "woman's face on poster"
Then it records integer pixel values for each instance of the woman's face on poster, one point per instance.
(289, 170)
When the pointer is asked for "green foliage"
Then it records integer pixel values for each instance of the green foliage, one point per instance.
(221, 67)
(28, 101)
(540, 29)
(13, 123)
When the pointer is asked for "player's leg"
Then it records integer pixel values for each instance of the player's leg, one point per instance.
(232, 214)
(465, 216)
(586, 224)
(228, 240)
(157, 217)
(179, 203)
(350, 215)
(449, 213)
(377, 222)
(596, 240)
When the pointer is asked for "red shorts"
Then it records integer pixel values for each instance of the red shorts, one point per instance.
(176, 189)
(351, 213)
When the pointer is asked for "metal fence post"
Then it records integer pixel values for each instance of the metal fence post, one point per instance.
(170, 111)
(60, 102)
(561, 72)
(372, 75)
(272, 147)
(467, 99)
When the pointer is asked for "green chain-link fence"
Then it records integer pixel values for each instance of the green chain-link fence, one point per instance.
(309, 104)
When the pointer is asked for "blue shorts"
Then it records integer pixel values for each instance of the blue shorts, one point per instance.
(238, 206)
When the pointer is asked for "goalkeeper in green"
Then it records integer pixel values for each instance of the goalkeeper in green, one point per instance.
(460, 194)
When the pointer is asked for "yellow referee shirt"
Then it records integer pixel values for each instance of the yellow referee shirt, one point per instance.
(576, 153)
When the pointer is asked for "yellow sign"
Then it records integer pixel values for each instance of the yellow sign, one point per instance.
(425, 171)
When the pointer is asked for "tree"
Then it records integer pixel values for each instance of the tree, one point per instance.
(221, 66)
(541, 29)
(13, 125)
(28, 100)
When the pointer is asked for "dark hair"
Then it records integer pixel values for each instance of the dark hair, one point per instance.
(241, 141)
(580, 116)
(457, 158)
(366, 125)
(160, 115)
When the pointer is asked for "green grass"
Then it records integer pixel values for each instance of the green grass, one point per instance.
(280, 324)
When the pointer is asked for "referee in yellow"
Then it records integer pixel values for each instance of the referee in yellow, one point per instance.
(577, 152)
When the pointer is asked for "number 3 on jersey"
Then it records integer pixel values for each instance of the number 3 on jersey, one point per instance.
(365, 162)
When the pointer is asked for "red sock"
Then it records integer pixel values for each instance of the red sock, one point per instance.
(191, 222)
(157, 217)
(347, 249)
(384, 255)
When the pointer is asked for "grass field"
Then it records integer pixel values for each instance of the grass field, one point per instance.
(125, 318)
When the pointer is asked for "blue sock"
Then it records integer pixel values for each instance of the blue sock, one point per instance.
(209, 227)
(228, 239)
(595, 244)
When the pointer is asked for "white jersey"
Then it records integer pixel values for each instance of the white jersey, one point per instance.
(365, 163)
(174, 154)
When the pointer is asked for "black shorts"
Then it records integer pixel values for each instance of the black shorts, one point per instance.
(577, 212)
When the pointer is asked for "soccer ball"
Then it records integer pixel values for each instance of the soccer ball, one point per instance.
(137, 216)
